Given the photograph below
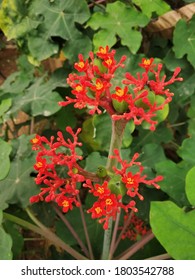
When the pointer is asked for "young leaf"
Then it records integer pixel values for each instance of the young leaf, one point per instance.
(120, 20)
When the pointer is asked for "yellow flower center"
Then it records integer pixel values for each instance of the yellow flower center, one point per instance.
(98, 210)
(79, 88)
(81, 64)
(130, 181)
(120, 92)
(147, 62)
(108, 61)
(103, 50)
(39, 164)
(65, 203)
(109, 201)
(35, 140)
(100, 190)
(99, 85)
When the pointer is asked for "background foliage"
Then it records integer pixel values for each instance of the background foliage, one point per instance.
(57, 31)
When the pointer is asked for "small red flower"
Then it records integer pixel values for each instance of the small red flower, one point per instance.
(120, 94)
(147, 63)
(82, 65)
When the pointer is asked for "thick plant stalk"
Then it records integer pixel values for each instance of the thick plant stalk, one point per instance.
(118, 127)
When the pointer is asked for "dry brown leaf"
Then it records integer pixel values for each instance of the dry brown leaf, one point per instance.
(165, 23)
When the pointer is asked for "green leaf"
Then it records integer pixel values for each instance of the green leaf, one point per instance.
(18, 186)
(17, 238)
(148, 7)
(93, 161)
(5, 150)
(103, 130)
(125, 21)
(190, 185)
(41, 47)
(5, 242)
(186, 32)
(60, 16)
(174, 180)
(79, 43)
(40, 98)
(4, 106)
(152, 154)
(187, 150)
(174, 228)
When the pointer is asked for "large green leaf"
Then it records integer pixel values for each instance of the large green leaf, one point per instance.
(40, 98)
(186, 32)
(190, 185)
(148, 7)
(5, 150)
(18, 186)
(174, 180)
(59, 21)
(5, 242)
(174, 228)
(120, 20)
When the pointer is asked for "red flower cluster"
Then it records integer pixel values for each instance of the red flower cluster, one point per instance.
(134, 229)
(93, 88)
(50, 159)
(108, 202)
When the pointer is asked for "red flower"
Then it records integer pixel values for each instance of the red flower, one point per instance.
(135, 228)
(50, 158)
(120, 94)
(147, 64)
(82, 65)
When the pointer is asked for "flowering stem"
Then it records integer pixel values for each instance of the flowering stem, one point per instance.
(85, 230)
(118, 127)
(122, 231)
(48, 234)
(112, 246)
(134, 248)
(71, 229)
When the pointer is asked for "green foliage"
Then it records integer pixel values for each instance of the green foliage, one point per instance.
(5, 242)
(186, 31)
(35, 25)
(5, 150)
(125, 21)
(190, 185)
(158, 6)
(171, 223)
(45, 29)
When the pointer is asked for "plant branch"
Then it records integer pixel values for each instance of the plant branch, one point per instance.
(48, 234)
(71, 229)
(135, 247)
(85, 230)
(122, 231)
(112, 246)
(160, 257)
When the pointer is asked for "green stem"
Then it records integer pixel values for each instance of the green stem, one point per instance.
(118, 128)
